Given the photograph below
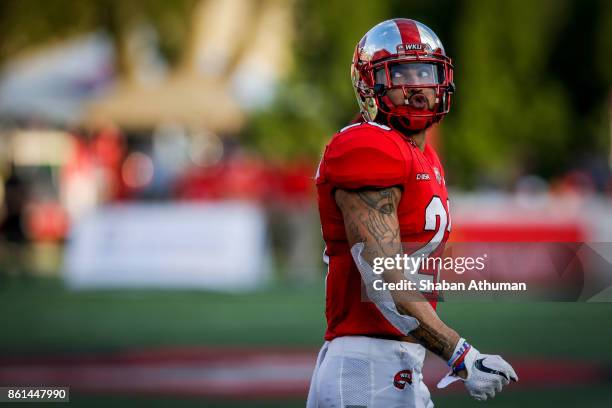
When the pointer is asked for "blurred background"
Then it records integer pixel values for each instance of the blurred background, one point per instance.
(159, 235)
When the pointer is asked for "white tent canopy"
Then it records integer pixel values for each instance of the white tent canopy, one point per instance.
(53, 83)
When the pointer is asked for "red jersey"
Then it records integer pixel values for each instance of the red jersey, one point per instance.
(372, 155)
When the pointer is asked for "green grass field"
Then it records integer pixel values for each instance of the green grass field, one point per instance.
(41, 316)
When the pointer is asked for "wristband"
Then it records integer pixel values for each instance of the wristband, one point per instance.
(457, 360)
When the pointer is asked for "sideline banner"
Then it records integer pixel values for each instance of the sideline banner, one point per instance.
(218, 246)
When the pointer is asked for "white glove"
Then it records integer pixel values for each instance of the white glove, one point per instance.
(486, 373)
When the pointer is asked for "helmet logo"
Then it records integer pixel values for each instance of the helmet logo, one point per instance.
(402, 48)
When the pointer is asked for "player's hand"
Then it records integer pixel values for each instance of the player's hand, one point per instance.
(486, 374)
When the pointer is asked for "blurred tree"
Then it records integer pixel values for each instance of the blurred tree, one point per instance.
(509, 112)
(28, 23)
(601, 117)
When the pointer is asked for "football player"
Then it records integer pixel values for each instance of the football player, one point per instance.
(381, 193)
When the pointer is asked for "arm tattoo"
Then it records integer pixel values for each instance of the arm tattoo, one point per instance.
(381, 200)
(432, 340)
(370, 216)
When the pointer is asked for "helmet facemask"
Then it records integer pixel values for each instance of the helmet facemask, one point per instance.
(412, 92)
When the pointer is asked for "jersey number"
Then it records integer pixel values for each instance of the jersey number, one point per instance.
(434, 209)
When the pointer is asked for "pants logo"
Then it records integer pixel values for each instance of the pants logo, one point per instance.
(401, 378)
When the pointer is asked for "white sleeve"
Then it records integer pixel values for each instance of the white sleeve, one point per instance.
(381, 298)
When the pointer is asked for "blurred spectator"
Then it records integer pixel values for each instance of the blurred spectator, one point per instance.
(14, 203)
(11, 226)
(577, 183)
(108, 148)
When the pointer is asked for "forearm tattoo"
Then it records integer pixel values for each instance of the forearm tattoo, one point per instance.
(432, 340)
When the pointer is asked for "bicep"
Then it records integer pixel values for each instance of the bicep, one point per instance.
(370, 216)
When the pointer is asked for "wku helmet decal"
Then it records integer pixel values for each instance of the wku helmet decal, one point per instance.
(413, 47)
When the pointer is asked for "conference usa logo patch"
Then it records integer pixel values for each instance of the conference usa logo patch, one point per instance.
(438, 175)
(401, 378)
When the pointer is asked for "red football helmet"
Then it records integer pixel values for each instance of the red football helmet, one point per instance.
(405, 55)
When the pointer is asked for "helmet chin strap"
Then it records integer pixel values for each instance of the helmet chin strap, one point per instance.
(409, 126)
(402, 121)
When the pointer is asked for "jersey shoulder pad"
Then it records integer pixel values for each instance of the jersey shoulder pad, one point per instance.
(365, 155)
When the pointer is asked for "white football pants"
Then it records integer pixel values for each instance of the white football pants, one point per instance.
(366, 372)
